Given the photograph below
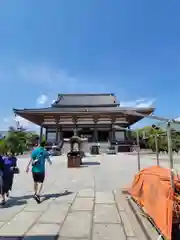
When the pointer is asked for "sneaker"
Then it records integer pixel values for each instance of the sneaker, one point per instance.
(3, 202)
(37, 198)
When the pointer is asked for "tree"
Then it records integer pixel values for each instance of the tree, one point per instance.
(31, 139)
(18, 141)
(148, 134)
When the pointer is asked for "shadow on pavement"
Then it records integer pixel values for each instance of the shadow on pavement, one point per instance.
(91, 163)
(22, 200)
(12, 202)
(35, 237)
(55, 195)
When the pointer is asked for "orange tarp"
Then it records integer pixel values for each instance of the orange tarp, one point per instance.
(152, 190)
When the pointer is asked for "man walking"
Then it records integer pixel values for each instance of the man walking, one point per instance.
(38, 159)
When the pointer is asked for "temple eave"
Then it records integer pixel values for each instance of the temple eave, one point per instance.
(40, 118)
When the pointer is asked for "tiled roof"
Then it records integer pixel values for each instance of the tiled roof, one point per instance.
(85, 99)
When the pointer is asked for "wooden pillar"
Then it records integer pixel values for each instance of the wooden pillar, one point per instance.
(109, 137)
(60, 133)
(56, 134)
(95, 135)
(128, 133)
(60, 130)
(57, 121)
(46, 134)
(41, 134)
(113, 130)
(138, 150)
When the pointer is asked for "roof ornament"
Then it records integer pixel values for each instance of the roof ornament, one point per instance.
(60, 97)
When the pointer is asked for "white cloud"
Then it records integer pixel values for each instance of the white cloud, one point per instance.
(22, 122)
(148, 103)
(139, 103)
(54, 79)
(14, 121)
(47, 76)
(42, 99)
(177, 119)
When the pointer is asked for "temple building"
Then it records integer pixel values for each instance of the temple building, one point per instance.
(89, 115)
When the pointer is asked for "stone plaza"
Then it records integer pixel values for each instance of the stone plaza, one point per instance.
(84, 203)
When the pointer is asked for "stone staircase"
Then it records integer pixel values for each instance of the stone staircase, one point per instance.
(104, 147)
(65, 148)
(86, 146)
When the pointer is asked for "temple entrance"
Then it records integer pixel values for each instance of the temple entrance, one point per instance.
(103, 136)
(87, 133)
(67, 134)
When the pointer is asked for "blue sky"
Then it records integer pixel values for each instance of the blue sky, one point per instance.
(130, 48)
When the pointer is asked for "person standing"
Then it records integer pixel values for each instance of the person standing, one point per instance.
(38, 159)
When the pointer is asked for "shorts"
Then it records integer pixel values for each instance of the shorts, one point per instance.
(38, 177)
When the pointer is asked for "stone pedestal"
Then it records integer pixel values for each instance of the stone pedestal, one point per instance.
(73, 160)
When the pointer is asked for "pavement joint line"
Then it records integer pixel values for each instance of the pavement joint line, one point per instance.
(93, 212)
(107, 223)
(104, 203)
(62, 224)
(46, 223)
(121, 223)
(138, 219)
(71, 211)
(80, 197)
(92, 219)
(72, 238)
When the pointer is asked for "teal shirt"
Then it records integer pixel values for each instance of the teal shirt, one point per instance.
(41, 154)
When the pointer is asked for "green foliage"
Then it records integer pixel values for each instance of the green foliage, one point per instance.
(17, 141)
(3, 146)
(148, 134)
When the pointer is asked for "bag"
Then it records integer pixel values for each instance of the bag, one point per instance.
(16, 170)
(37, 160)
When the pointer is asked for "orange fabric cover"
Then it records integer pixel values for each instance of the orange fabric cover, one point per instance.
(152, 190)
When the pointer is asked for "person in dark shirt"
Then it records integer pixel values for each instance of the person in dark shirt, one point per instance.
(9, 162)
(1, 173)
(1, 163)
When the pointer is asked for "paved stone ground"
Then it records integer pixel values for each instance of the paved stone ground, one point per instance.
(93, 206)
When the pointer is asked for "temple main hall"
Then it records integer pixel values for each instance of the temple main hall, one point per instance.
(93, 116)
